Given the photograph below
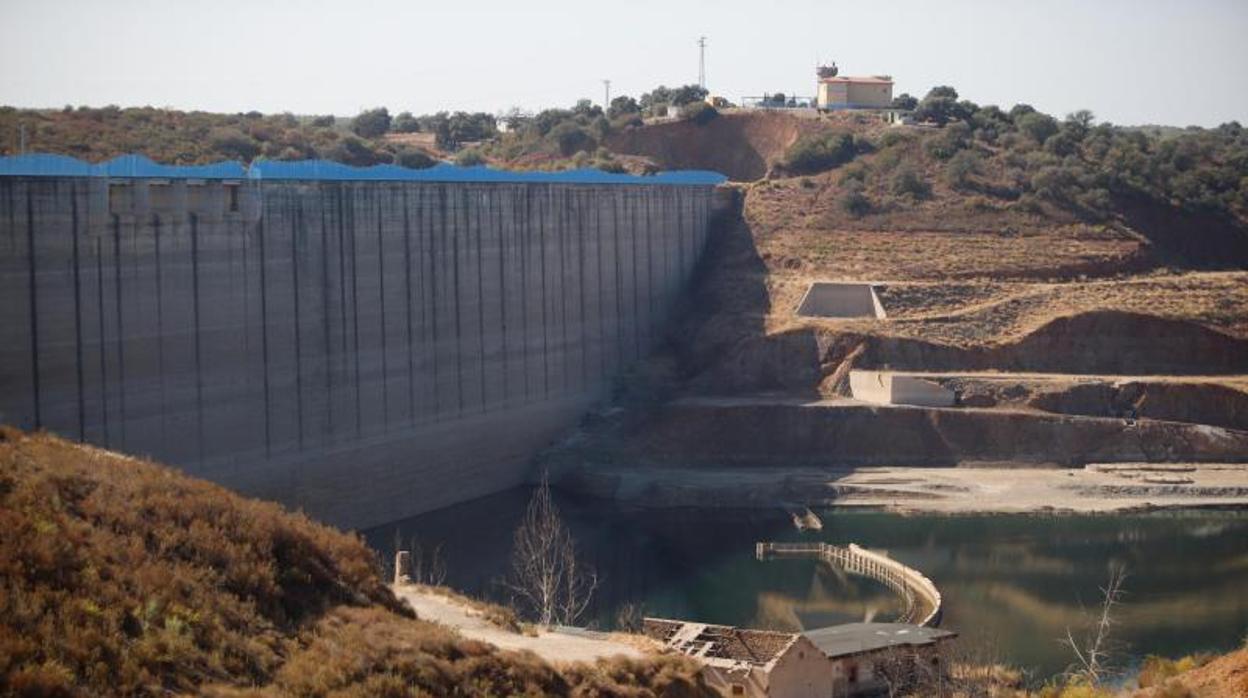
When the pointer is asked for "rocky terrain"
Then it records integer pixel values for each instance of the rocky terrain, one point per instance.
(1070, 337)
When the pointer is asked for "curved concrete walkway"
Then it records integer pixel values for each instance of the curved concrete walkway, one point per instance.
(556, 646)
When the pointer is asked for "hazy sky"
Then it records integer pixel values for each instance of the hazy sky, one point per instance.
(1174, 62)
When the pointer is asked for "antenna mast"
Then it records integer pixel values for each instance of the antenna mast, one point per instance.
(702, 62)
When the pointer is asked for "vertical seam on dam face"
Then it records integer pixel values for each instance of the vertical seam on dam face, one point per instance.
(296, 225)
(80, 379)
(199, 367)
(140, 322)
(121, 329)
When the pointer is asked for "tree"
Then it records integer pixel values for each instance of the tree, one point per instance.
(371, 123)
(1020, 110)
(1037, 126)
(405, 123)
(572, 139)
(687, 94)
(658, 97)
(905, 101)
(548, 580)
(623, 105)
(699, 113)
(941, 106)
(1094, 653)
(585, 107)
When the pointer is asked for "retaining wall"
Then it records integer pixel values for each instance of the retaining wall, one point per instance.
(362, 350)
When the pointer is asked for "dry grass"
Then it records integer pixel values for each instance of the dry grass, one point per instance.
(123, 577)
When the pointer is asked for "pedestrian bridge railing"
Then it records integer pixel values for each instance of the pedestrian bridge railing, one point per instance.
(921, 597)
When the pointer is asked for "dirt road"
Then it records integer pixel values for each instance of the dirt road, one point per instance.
(556, 646)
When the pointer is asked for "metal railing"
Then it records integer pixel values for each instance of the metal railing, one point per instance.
(918, 593)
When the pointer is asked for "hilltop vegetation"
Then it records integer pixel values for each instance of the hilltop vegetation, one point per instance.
(122, 577)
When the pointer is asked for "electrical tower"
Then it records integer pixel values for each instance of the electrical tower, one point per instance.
(702, 62)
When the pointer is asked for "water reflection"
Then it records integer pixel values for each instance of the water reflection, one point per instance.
(1020, 580)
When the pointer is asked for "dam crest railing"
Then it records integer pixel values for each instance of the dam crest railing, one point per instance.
(921, 597)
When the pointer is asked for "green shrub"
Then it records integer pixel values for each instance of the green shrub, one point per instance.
(822, 151)
(371, 123)
(908, 182)
(405, 123)
(699, 113)
(233, 144)
(570, 139)
(951, 139)
(854, 172)
(960, 169)
(414, 159)
(854, 200)
(1038, 126)
(895, 136)
(470, 158)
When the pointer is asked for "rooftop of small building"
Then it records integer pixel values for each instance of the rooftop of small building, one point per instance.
(709, 642)
(872, 79)
(855, 638)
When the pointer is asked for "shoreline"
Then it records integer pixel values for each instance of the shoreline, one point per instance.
(1094, 489)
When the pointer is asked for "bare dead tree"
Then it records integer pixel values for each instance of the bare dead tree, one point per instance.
(546, 577)
(431, 569)
(1094, 653)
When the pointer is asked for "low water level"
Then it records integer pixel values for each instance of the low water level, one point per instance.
(1015, 582)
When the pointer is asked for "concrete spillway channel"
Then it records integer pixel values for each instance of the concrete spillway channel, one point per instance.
(921, 598)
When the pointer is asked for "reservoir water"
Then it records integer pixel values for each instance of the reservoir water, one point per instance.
(1015, 583)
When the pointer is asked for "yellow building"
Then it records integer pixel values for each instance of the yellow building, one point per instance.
(844, 92)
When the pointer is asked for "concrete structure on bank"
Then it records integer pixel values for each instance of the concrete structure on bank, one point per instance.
(841, 300)
(363, 350)
(888, 388)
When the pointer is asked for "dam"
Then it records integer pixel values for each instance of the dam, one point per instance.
(362, 344)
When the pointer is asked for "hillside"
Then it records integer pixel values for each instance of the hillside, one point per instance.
(1080, 290)
(123, 577)
(190, 138)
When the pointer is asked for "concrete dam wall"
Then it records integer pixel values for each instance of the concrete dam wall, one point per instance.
(362, 350)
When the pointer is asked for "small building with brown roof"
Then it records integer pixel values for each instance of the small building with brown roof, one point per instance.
(841, 660)
(846, 92)
(741, 662)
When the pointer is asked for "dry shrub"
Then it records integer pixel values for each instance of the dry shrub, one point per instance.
(670, 676)
(1155, 671)
(121, 577)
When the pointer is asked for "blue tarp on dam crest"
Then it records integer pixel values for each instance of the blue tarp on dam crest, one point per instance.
(137, 166)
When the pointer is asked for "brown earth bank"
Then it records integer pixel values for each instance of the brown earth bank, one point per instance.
(778, 431)
(123, 577)
(1151, 347)
(741, 146)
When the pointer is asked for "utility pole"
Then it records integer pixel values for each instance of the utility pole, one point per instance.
(22, 139)
(606, 100)
(702, 62)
